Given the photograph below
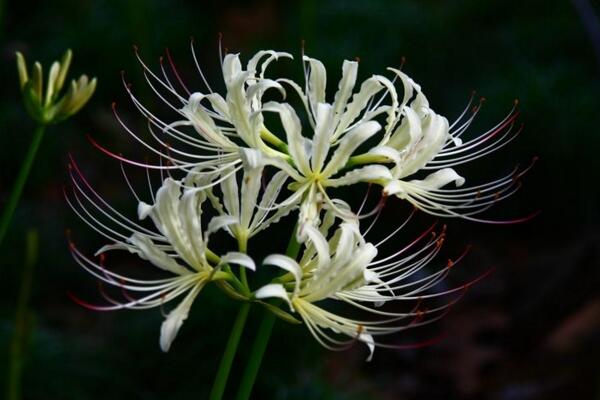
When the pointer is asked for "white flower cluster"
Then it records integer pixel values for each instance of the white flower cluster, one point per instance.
(238, 163)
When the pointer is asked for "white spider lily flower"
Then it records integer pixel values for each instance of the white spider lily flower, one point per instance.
(178, 246)
(412, 138)
(211, 128)
(344, 270)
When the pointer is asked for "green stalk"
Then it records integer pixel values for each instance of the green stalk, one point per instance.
(256, 356)
(19, 340)
(262, 336)
(17, 190)
(225, 365)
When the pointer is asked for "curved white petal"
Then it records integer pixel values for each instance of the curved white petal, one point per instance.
(322, 137)
(345, 86)
(147, 250)
(317, 81)
(234, 257)
(273, 290)
(318, 241)
(293, 129)
(348, 144)
(286, 263)
(370, 173)
(440, 178)
(367, 339)
(171, 325)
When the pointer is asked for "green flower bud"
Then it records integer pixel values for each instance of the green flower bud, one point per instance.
(49, 107)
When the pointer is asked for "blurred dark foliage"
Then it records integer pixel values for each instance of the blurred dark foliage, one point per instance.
(529, 331)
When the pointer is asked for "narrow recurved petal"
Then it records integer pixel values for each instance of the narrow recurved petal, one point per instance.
(317, 81)
(287, 264)
(273, 290)
(349, 144)
(251, 184)
(171, 325)
(230, 189)
(345, 86)
(322, 138)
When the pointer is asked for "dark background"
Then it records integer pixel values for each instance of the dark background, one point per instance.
(529, 331)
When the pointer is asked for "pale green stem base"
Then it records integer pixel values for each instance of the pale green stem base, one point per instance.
(15, 195)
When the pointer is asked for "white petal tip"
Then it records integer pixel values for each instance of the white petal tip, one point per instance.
(143, 210)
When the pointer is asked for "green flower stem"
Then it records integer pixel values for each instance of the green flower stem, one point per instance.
(218, 388)
(15, 195)
(22, 320)
(256, 356)
(263, 335)
(243, 246)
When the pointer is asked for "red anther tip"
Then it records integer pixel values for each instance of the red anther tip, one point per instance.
(220, 35)
(113, 105)
(449, 264)
(535, 159)
(482, 99)
(357, 59)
